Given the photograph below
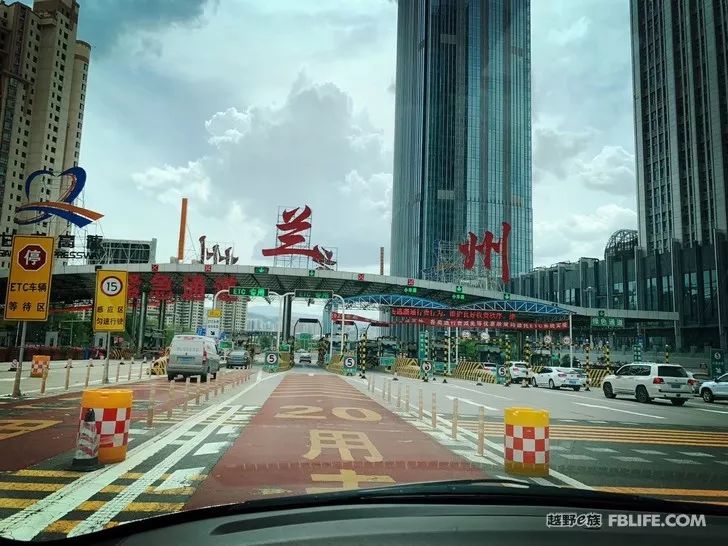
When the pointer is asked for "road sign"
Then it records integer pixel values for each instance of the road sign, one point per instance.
(200, 331)
(607, 322)
(311, 272)
(547, 339)
(566, 341)
(602, 313)
(485, 336)
(506, 296)
(349, 362)
(717, 363)
(110, 301)
(214, 313)
(226, 344)
(251, 291)
(271, 358)
(29, 281)
(261, 270)
(410, 290)
(313, 294)
(426, 366)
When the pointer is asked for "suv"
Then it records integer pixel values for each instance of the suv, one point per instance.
(648, 380)
(716, 389)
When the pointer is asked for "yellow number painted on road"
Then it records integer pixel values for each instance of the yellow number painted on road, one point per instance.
(356, 414)
(300, 412)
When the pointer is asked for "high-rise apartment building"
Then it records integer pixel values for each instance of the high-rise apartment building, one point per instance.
(185, 316)
(462, 147)
(233, 315)
(42, 95)
(680, 80)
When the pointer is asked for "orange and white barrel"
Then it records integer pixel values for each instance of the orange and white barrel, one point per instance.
(526, 441)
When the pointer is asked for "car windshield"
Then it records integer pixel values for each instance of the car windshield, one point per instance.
(255, 249)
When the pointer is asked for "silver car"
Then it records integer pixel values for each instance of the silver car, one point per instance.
(192, 355)
(238, 358)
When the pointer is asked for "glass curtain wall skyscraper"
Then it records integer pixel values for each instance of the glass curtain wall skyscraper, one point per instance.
(680, 79)
(462, 152)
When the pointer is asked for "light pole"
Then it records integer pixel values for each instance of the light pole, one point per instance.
(590, 291)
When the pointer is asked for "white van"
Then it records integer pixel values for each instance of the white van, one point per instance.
(192, 355)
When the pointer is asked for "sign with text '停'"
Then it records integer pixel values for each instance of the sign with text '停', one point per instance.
(110, 301)
(29, 281)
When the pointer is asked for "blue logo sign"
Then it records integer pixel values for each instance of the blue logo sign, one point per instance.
(64, 207)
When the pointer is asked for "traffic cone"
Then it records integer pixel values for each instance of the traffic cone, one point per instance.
(395, 376)
(86, 458)
(13, 366)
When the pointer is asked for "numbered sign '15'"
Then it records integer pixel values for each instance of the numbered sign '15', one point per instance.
(110, 301)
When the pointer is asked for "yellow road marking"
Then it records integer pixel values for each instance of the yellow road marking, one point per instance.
(50, 487)
(29, 472)
(666, 491)
(135, 506)
(65, 526)
(48, 473)
(10, 428)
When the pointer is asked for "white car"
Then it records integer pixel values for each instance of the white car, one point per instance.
(555, 378)
(649, 380)
(716, 389)
(489, 367)
(519, 371)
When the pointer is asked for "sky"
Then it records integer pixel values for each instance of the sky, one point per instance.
(244, 106)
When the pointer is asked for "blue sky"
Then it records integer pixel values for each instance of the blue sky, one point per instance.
(246, 105)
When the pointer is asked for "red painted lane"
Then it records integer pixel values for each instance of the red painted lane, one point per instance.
(34, 430)
(283, 451)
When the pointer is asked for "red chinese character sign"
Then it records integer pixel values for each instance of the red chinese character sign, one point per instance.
(134, 286)
(224, 283)
(161, 287)
(193, 288)
(486, 248)
(293, 238)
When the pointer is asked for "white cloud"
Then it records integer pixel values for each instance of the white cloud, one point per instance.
(579, 234)
(228, 126)
(573, 33)
(313, 149)
(611, 170)
(169, 184)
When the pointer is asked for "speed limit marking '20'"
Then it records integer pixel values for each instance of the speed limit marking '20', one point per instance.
(271, 358)
(349, 362)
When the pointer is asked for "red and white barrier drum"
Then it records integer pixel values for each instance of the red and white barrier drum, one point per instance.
(112, 413)
(526, 441)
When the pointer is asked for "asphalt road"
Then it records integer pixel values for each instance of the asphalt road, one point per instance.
(308, 430)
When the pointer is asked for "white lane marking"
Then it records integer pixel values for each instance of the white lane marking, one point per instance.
(682, 461)
(228, 429)
(619, 410)
(103, 515)
(577, 457)
(601, 449)
(211, 448)
(27, 523)
(483, 392)
(466, 401)
(695, 454)
(542, 481)
(182, 477)
(310, 375)
(138, 431)
(712, 410)
(447, 425)
(631, 459)
(649, 451)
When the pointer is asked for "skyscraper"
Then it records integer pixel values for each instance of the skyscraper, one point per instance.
(680, 80)
(462, 149)
(42, 96)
